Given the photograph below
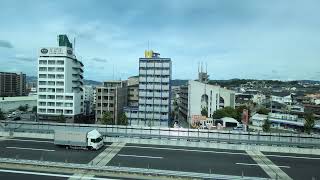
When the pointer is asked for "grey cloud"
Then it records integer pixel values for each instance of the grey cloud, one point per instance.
(23, 58)
(99, 59)
(5, 44)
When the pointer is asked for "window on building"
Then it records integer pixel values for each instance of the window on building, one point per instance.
(60, 69)
(59, 97)
(69, 97)
(43, 62)
(42, 96)
(51, 62)
(42, 103)
(50, 104)
(60, 83)
(51, 76)
(59, 90)
(68, 104)
(42, 69)
(60, 76)
(42, 76)
(68, 111)
(51, 83)
(51, 69)
(51, 97)
(60, 62)
(59, 104)
(51, 90)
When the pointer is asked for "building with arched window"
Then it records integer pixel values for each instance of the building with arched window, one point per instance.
(197, 97)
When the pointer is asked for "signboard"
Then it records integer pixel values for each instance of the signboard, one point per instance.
(197, 118)
(245, 117)
(56, 51)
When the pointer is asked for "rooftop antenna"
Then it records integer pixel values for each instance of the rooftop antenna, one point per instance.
(201, 66)
(113, 71)
(206, 67)
(74, 45)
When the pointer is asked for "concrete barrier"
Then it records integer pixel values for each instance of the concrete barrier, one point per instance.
(214, 145)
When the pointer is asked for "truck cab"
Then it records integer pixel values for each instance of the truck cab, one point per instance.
(95, 140)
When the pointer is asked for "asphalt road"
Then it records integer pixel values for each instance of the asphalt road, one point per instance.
(12, 174)
(190, 160)
(203, 160)
(304, 167)
(32, 149)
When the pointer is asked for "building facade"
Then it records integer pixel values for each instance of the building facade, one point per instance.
(60, 82)
(88, 94)
(133, 91)
(111, 97)
(154, 92)
(12, 84)
(197, 96)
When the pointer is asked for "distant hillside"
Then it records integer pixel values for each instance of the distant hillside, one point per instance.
(178, 82)
(92, 82)
(85, 81)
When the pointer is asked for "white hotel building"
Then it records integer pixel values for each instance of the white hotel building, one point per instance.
(60, 82)
(154, 92)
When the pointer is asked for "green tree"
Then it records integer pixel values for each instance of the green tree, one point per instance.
(263, 111)
(22, 108)
(123, 120)
(309, 122)
(204, 112)
(239, 111)
(107, 118)
(34, 109)
(1, 115)
(61, 118)
(225, 112)
(266, 125)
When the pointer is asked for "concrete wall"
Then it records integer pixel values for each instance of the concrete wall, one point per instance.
(12, 103)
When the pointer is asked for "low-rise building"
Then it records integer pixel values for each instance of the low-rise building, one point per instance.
(12, 84)
(287, 99)
(88, 102)
(133, 91)
(197, 96)
(12, 103)
(111, 97)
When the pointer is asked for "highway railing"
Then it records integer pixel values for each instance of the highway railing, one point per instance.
(261, 138)
(127, 170)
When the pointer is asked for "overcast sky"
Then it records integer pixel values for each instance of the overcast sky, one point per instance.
(260, 39)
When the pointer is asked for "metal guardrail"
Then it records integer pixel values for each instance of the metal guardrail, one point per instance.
(281, 139)
(153, 172)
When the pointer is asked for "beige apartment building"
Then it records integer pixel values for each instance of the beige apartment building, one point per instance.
(111, 97)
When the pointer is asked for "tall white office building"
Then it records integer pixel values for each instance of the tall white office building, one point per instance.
(154, 92)
(60, 82)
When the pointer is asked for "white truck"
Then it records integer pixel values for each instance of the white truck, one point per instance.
(91, 139)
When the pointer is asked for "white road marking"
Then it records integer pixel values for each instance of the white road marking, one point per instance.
(33, 149)
(29, 140)
(294, 157)
(105, 156)
(130, 155)
(187, 150)
(101, 159)
(247, 164)
(268, 166)
(221, 152)
(50, 174)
